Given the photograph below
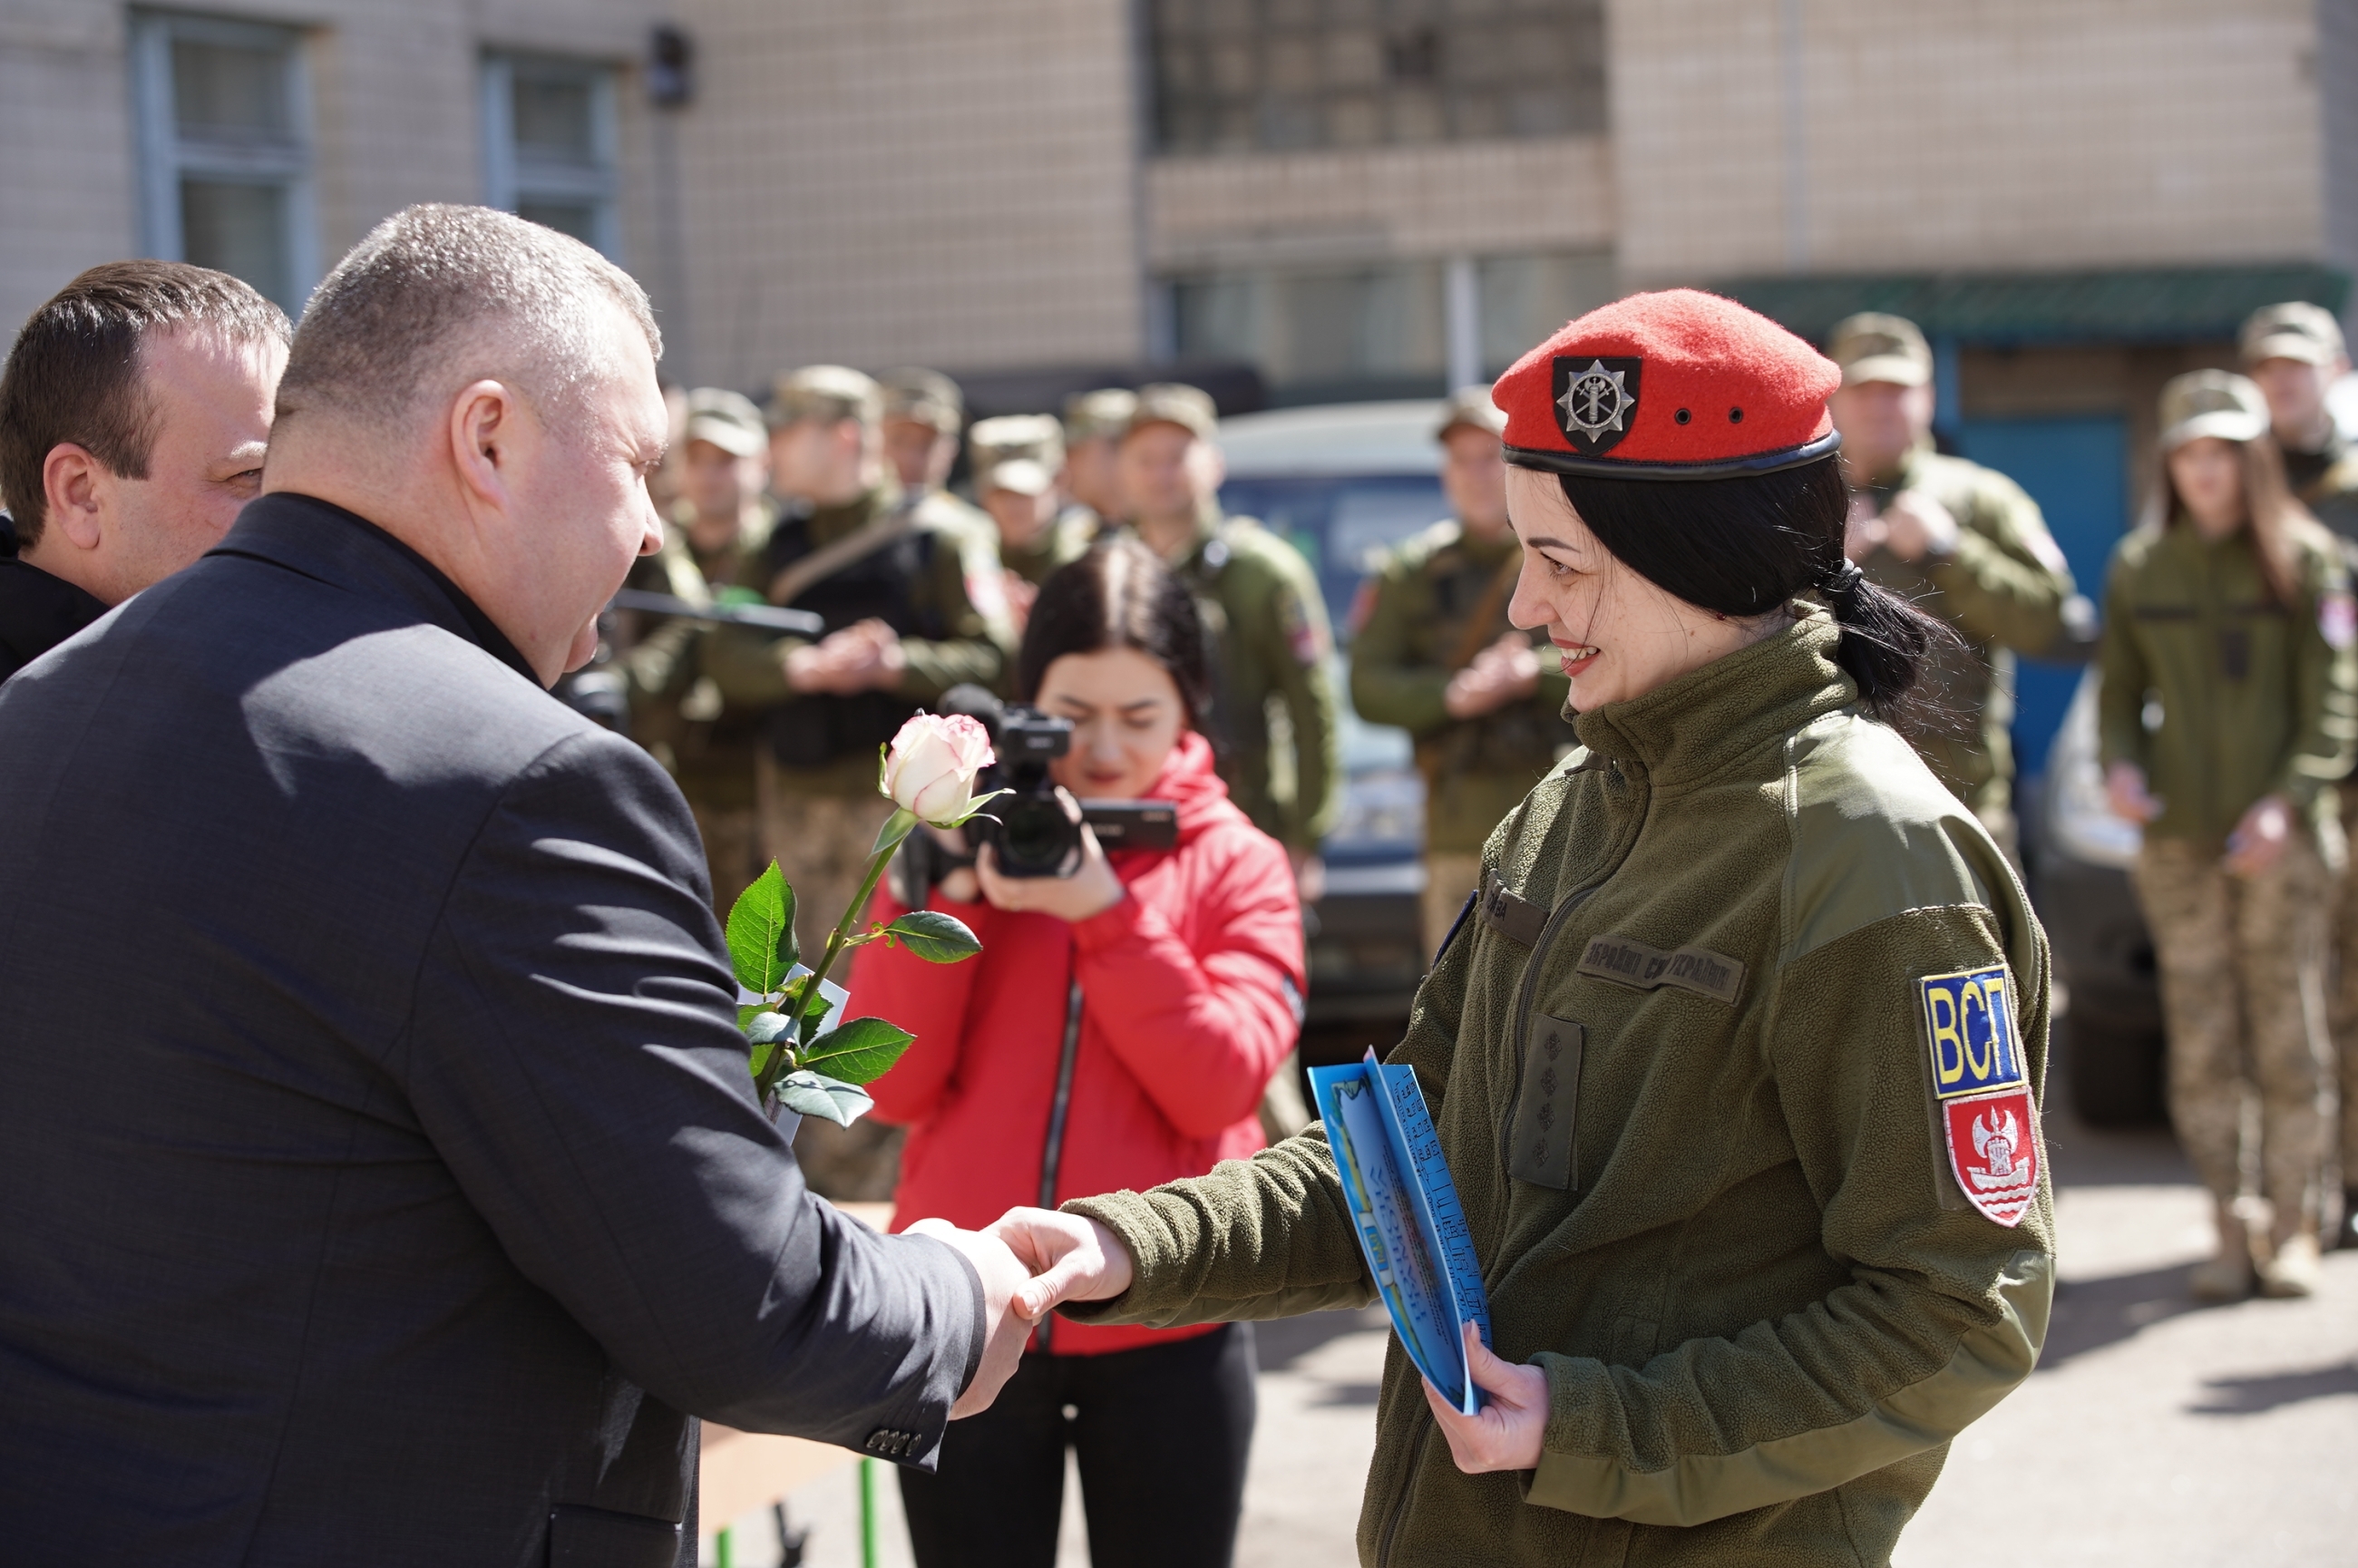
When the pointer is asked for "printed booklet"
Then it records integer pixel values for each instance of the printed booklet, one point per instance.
(1411, 1227)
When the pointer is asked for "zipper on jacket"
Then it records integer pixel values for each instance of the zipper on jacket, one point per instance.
(1399, 1504)
(1053, 1154)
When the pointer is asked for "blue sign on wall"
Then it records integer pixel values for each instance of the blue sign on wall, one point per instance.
(2074, 466)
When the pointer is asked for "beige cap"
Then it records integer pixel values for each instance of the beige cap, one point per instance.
(926, 397)
(1104, 413)
(1172, 403)
(1021, 452)
(2212, 403)
(2293, 331)
(831, 392)
(1470, 406)
(1872, 346)
(727, 420)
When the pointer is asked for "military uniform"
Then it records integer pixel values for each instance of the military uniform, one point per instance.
(1024, 452)
(2001, 585)
(1762, 1300)
(1420, 629)
(2256, 698)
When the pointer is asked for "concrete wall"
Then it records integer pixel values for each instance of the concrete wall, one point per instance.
(1846, 135)
(66, 199)
(895, 180)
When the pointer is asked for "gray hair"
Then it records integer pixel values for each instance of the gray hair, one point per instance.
(438, 297)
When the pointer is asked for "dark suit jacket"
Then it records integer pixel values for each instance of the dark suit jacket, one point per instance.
(380, 1175)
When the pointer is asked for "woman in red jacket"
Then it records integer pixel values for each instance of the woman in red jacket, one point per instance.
(1118, 1031)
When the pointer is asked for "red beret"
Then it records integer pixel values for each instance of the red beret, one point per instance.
(1680, 385)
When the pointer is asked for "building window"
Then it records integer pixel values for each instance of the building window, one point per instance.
(224, 112)
(1270, 75)
(549, 144)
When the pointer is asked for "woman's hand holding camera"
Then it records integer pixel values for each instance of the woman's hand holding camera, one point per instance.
(1091, 888)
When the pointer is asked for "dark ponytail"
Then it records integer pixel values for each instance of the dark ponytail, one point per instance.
(1743, 547)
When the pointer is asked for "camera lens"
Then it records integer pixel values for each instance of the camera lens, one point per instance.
(1034, 836)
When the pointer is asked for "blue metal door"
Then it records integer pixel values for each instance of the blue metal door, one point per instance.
(2075, 467)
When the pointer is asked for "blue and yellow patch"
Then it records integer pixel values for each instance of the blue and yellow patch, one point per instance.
(1969, 1018)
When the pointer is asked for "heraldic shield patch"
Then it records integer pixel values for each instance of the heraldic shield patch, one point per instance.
(1983, 1088)
(1595, 399)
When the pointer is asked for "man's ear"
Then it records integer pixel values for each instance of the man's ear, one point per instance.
(75, 490)
(484, 428)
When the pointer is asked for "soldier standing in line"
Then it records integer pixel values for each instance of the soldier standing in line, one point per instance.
(2232, 609)
(923, 414)
(720, 522)
(1093, 423)
(1959, 540)
(1016, 460)
(1436, 655)
(2295, 352)
(913, 606)
(1274, 706)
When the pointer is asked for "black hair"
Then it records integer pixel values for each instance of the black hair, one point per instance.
(1745, 546)
(1120, 595)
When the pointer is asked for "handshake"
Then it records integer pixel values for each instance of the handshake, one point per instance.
(1031, 1260)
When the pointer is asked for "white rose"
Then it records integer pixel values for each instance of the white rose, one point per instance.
(930, 769)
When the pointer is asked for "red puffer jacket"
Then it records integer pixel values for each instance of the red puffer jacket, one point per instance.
(1189, 1001)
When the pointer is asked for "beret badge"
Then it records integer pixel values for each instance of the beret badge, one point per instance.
(1593, 403)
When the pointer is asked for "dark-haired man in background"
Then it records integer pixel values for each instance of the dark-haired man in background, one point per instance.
(133, 412)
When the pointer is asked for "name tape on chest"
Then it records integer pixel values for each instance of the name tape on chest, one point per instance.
(1628, 963)
(1516, 918)
(1981, 1087)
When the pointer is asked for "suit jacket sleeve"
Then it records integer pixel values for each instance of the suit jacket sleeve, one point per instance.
(572, 1053)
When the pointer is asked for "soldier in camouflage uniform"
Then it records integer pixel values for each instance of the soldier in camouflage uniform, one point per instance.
(2232, 609)
(913, 602)
(720, 521)
(2295, 352)
(1961, 541)
(1434, 654)
(1274, 709)
(1017, 461)
(1093, 423)
(923, 412)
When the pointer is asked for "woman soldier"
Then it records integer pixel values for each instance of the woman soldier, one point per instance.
(1781, 988)
(2230, 606)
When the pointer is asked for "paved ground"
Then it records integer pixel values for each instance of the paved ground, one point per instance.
(2153, 1432)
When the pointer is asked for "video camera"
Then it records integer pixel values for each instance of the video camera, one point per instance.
(1027, 829)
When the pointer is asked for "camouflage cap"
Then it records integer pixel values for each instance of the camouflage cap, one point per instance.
(1021, 452)
(1105, 413)
(1872, 346)
(927, 396)
(1171, 402)
(2293, 331)
(2212, 403)
(831, 392)
(1471, 405)
(727, 420)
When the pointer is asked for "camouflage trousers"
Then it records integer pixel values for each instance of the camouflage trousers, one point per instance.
(733, 851)
(2243, 992)
(2343, 1014)
(1449, 880)
(821, 842)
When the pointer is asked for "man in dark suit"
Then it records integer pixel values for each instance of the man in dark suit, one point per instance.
(381, 1179)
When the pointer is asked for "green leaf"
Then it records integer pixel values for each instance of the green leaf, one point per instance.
(750, 1012)
(761, 933)
(897, 826)
(764, 1027)
(814, 1094)
(861, 1052)
(758, 1058)
(936, 937)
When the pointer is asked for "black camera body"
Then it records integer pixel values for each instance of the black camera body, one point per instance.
(1029, 833)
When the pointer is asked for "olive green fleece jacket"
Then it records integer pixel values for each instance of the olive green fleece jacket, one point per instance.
(2256, 696)
(1763, 1305)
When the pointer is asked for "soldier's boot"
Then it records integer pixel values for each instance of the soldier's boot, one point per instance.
(2226, 1277)
(2292, 1273)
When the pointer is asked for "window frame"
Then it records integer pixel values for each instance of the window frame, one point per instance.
(165, 158)
(510, 180)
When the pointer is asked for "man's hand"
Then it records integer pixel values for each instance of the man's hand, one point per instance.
(1505, 1434)
(863, 657)
(1002, 1276)
(1506, 671)
(1916, 525)
(2124, 792)
(2258, 841)
(1073, 1260)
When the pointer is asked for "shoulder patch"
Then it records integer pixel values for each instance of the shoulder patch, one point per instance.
(1304, 635)
(1983, 1089)
(1634, 964)
(2337, 617)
